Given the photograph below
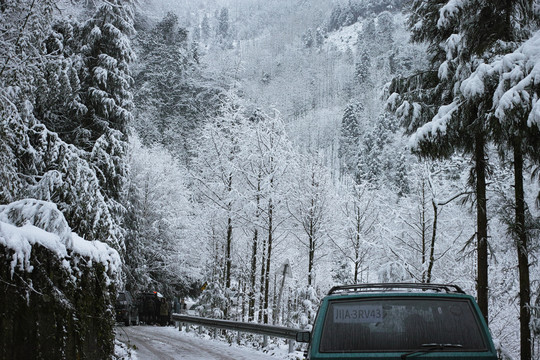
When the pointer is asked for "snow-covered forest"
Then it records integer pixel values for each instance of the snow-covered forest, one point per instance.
(269, 150)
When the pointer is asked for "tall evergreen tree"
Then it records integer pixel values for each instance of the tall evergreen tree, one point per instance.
(58, 102)
(205, 28)
(362, 68)
(472, 33)
(515, 131)
(367, 37)
(422, 100)
(25, 24)
(385, 30)
(515, 128)
(106, 77)
(307, 39)
(375, 161)
(223, 28)
(106, 93)
(349, 137)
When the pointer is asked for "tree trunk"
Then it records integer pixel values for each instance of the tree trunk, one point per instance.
(253, 273)
(263, 275)
(228, 249)
(432, 246)
(357, 245)
(268, 258)
(523, 260)
(228, 260)
(311, 254)
(481, 223)
(423, 228)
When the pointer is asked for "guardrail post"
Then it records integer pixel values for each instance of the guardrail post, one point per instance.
(238, 338)
(265, 340)
(291, 345)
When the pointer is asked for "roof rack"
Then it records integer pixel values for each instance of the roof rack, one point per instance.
(448, 288)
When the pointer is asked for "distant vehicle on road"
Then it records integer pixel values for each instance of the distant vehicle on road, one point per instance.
(126, 309)
(154, 308)
(399, 321)
(148, 307)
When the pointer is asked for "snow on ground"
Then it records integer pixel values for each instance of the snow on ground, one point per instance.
(344, 38)
(347, 36)
(156, 342)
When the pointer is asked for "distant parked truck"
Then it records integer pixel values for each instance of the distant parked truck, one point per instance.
(149, 305)
(126, 309)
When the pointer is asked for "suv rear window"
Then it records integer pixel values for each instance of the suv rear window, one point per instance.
(400, 324)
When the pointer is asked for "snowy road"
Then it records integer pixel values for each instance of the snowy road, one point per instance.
(155, 342)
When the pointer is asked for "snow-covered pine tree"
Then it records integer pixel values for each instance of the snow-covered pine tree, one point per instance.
(58, 97)
(349, 137)
(367, 37)
(362, 68)
(375, 159)
(307, 39)
(106, 80)
(50, 168)
(513, 124)
(40, 165)
(463, 37)
(401, 180)
(223, 31)
(319, 37)
(423, 99)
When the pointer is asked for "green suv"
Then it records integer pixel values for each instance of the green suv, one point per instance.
(399, 321)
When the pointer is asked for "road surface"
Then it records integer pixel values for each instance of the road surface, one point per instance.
(167, 343)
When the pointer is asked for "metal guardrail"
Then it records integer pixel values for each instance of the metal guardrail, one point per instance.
(261, 329)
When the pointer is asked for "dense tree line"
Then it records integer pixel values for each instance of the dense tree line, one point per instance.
(65, 105)
(368, 148)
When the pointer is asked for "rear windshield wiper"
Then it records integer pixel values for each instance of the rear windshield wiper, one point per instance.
(431, 347)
